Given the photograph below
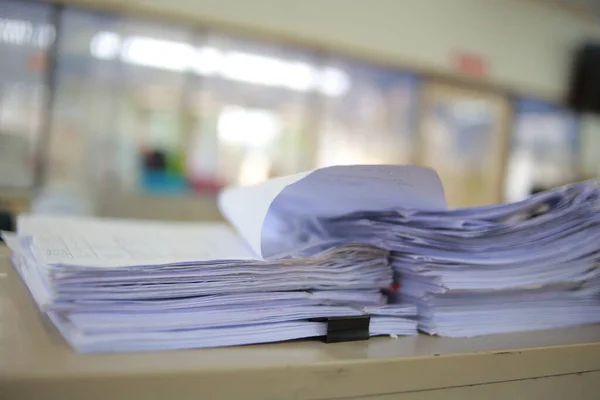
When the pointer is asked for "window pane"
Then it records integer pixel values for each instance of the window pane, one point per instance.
(119, 102)
(250, 107)
(543, 150)
(85, 100)
(25, 37)
(155, 60)
(368, 115)
(463, 137)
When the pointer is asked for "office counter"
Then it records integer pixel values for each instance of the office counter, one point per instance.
(36, 363)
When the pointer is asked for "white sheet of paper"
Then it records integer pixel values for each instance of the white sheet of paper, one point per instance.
(329, 192)
(246, 207)
(113, 242)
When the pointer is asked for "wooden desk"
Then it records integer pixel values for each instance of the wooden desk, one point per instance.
(35, 363)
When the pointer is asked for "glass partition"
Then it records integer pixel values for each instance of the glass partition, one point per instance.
(464, 137)
(143, 106)
(544, 149)
(370, 119)
(26, 35)
(249, 104)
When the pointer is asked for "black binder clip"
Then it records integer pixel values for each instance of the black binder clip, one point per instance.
(346, 329)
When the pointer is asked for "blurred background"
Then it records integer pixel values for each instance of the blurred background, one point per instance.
(146, 109)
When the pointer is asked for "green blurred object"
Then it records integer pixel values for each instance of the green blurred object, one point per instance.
(176, 163)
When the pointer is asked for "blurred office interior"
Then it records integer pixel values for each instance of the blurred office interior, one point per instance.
(146, 109)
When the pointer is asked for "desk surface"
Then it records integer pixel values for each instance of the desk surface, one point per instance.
(34, 359)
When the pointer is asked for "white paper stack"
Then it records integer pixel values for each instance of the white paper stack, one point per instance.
(514, 267)
(504, 268)
(112, 285)
(316, 245)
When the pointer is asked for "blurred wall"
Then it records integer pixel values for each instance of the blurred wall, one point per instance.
(526, 45)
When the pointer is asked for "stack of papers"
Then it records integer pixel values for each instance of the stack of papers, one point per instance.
(514, 267)
(132, 286)
(503, 268)
(316, 245)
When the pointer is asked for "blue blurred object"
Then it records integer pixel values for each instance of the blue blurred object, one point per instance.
(163, 182)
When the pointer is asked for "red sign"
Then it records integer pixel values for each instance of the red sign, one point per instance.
(471, 64)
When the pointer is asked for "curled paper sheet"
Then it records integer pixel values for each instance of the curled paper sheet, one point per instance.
(277, 216)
